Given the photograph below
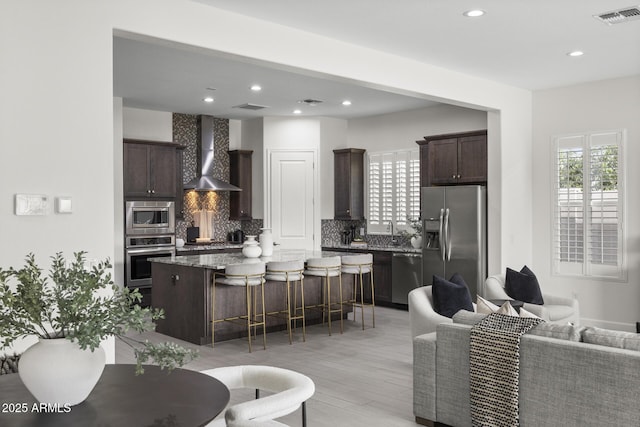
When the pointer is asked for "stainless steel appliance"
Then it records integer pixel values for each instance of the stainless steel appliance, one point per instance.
(406, 274)
(150, 217)
(455, 234)
(138, 251)
(150, 232)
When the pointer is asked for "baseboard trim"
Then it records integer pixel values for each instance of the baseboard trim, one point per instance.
(429, 423)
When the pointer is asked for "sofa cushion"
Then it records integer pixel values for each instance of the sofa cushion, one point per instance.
(523, 286)
(484, 306)
(451, 295)
(526, 313)
(468, 318)
(561, 332)
(609, 338)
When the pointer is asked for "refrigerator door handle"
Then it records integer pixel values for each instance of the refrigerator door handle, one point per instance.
(442, 237)
(447, 232)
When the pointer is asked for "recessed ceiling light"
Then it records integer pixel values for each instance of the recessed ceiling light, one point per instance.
(297, 111)
(575, 53)
(256, 88)
(474, 13)
(346, 102)
(208, 99)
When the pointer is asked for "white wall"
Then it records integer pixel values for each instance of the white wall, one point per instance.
(603, 105)
(58, 123)
(402, 130)
(147, 124)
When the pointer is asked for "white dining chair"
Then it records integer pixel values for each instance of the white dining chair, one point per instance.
(290, 391)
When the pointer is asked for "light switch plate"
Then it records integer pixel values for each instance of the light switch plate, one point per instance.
(63, 205)
(31, 204)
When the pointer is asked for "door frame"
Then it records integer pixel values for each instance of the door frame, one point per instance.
(267, 190)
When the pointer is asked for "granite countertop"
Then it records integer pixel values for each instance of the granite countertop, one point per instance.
(342, 247)
(207, 247)
(220, 261)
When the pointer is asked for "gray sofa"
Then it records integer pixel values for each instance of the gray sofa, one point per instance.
(563, 381)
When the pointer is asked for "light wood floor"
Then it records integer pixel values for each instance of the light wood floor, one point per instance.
(362, 378)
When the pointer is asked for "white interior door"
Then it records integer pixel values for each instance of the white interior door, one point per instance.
(291, 189)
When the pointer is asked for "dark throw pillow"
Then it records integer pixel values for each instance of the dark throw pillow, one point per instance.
(523, 286)
(450, 296)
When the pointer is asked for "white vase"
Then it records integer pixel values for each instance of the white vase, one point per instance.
(416, 242)
(250, 248)
(58, 371)
(266, 242)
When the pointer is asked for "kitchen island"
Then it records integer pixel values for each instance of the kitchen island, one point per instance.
(182, 288)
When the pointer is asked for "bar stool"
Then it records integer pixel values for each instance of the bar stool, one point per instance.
(288, 272)
(359, 265)
(327, 268)
(249, 275)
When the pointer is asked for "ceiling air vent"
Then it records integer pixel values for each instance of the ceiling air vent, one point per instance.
(310, 102)
(250, 106)
(619, 16)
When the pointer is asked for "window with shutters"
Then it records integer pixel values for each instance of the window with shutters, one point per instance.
(589, 205)
(393, 189)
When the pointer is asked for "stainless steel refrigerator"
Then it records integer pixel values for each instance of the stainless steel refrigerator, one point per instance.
(455, 234)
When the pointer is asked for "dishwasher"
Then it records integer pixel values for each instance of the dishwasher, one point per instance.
(406, 271)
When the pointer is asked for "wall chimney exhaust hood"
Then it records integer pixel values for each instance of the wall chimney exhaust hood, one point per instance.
(206, 152)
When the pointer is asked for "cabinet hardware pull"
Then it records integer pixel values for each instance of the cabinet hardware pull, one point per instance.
(458, 176)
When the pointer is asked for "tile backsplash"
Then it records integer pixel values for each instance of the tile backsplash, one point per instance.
(185, 132)
(332, 232)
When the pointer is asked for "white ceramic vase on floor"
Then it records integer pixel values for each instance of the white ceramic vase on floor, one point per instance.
(58, 371)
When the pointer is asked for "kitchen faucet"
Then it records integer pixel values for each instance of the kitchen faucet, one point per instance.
(394, 241)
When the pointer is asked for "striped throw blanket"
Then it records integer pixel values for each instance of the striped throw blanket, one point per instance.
(494, 363)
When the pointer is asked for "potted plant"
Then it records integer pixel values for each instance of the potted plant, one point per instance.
(71, 311)
(415, 233)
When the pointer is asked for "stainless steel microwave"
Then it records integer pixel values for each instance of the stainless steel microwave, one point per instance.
(150, 217)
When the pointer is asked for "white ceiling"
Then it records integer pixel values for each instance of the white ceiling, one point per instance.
(519, 43)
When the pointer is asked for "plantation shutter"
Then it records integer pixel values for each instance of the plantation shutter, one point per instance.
(588, 200)
(394, 189)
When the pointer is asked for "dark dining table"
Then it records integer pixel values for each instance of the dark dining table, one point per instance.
(120, 398)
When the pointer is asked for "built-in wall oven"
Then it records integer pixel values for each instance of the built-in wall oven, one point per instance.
(138, 252)
(150, 233)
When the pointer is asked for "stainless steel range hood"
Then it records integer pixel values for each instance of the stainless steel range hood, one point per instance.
(205, 180)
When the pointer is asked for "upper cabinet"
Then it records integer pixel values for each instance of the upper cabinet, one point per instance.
(349, 184)
(240, 176)
(453, 159)
(151, 170)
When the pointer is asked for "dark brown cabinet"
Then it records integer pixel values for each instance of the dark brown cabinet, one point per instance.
(240, 176)
(382, 275)
(150, 170)
(349, 184)
(453, 159)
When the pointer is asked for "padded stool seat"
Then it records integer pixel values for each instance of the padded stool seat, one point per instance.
(359, 265)
(290, 272)
(327, 267)
(251, 276)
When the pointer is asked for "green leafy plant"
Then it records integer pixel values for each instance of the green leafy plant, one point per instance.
(414, 228)
(74, 302)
